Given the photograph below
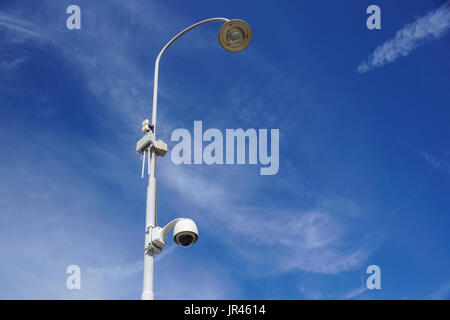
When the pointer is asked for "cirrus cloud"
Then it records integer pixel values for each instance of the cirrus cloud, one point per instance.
(430, 27)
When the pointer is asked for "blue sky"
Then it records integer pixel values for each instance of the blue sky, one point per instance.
(364, 153)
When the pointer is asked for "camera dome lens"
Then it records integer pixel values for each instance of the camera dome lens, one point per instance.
(185, 239)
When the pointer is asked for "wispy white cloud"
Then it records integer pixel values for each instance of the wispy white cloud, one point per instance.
(310, 293)
(441, 293)
(12, 64)
(22, 30)
(433, 161)
(431, 26)
(355, 292)
(429, 158)
(179, 280)
(307, 240)
(30, 32)
(436, 164)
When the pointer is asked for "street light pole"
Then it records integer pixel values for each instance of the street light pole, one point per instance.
(150, 221)
(234, 35)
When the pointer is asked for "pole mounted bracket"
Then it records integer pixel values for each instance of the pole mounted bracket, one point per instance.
(157, 240)
(160, 148)
(148, 141)
(146, 126)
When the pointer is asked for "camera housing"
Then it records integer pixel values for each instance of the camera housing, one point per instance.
(185, 232)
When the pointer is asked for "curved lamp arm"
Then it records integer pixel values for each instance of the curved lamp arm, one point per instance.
(155, 82)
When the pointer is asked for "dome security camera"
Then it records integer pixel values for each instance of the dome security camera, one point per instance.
(185, 232)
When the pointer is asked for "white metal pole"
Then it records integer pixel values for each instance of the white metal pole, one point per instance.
(150, 215)
(150, 221)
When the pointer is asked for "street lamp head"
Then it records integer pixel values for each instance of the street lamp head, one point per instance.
(235, 35)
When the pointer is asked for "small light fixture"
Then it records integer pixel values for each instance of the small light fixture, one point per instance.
(235, 35)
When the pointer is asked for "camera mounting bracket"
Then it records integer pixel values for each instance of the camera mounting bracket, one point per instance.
(157, 240)
(158, 236)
